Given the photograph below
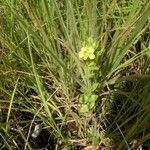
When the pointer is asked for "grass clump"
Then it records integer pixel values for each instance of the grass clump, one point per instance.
(74, 74)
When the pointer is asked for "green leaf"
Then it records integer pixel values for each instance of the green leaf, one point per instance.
(84, 109)
(93, 98)
(94, 86)
(81, 99)
(88, 90)
(84, 99)
(92, 104)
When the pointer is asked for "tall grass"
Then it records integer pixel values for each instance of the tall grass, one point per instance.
(43, 78)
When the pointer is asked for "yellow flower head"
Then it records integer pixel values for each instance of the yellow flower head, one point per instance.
(87, 52)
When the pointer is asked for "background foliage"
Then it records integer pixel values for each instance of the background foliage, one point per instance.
(42, 79)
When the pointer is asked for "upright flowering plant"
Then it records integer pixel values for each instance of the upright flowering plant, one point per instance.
(88, 96)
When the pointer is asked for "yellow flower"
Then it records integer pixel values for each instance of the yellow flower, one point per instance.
(91, 53)
(87, 52)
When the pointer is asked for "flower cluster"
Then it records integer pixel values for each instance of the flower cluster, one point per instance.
(87, 52)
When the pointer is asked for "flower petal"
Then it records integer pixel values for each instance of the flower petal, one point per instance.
(91, 56)
(81, 55)
(84, 48)
(91, 49)
(85, 57)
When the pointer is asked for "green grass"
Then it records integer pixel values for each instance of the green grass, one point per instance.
(79, 103)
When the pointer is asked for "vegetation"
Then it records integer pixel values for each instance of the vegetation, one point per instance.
(74, 74)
